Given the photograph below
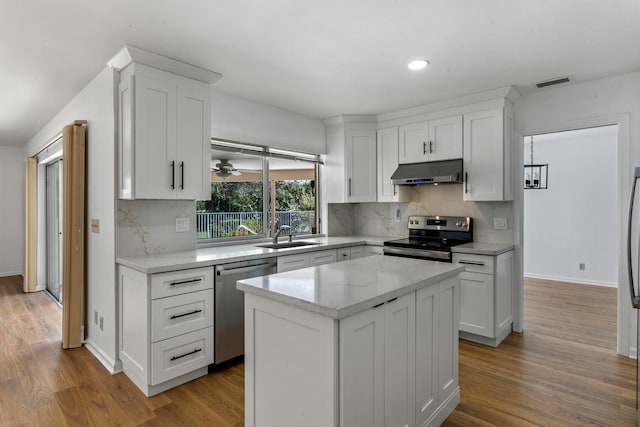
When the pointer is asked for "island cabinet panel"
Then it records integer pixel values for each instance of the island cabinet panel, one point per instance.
(388, 360)
(436, 367)
(291, 366)
(362, 349)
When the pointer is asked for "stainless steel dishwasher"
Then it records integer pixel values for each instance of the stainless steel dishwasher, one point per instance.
(229, 305)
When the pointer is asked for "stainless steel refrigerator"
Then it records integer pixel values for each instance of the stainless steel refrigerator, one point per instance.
(635, 299)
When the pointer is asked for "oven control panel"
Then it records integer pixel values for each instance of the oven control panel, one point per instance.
(453, 223)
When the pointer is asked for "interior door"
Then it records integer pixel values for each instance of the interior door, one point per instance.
(54, 228)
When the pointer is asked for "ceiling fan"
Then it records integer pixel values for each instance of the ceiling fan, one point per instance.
(225, 169)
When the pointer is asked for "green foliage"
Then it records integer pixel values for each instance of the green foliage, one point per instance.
(295, 195)
(233, 197)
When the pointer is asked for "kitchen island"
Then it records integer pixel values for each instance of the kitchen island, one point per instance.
(367, 342)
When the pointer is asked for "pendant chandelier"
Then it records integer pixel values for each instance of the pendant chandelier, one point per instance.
(535, 175)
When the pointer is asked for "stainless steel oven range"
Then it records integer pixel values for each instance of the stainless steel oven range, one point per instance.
(431, 237)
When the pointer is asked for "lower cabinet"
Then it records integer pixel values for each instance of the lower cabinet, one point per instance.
(166, 326)
(486, 314)
(309, 259)
(398, 361)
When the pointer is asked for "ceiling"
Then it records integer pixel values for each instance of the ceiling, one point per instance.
(318, 58)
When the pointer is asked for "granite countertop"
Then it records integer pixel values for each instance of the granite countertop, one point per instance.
(204, 257)
(478, 248)
(345, 288)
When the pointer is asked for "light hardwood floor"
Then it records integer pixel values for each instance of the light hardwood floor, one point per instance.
(562, 371)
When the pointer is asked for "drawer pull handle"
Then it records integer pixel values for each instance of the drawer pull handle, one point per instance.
(480, 263)
(177, 316)
(378, 305)
(393, 299)
(186, 354)
(184, 282)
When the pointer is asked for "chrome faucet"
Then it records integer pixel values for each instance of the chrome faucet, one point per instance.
(279, 232)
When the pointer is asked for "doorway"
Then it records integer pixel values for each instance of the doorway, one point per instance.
(54, 229)
(571, 227)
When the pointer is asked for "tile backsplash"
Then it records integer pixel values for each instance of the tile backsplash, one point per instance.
(380, 219)
(148, 227)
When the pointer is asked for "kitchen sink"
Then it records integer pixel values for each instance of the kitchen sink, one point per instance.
(285, 245)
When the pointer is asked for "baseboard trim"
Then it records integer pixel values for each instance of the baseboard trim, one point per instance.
(571, 280)
(111, 365)
(633, 353)
(9, 274)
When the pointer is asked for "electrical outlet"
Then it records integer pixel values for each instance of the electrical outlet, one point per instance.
(398, 216)
(500, 223)
(182, 225)
(101, 323)
(581, 266)
(95, 317)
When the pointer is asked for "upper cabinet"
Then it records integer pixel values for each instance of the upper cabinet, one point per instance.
(439, 139)
(487, 155)
(387, 147)
(164, 127)
(350, 169)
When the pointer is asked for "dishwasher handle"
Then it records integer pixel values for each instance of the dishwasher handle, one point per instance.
(221, 271)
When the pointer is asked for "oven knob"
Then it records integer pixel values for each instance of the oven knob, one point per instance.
(459, 224)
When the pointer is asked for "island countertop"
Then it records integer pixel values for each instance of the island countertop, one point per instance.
(341, 289)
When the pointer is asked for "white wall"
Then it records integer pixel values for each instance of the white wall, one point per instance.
(604, 101)
(95, 103)
(244, 120)
(575, 220)
(11, 211)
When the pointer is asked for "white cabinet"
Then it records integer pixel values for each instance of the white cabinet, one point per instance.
(394, 364)
(377, 356)
(486, 288)
(388, 150)
(436, 354)
(487, 155)
(438, 139)
(164, 135)
(353, 252)
(166, 326)
(350, 168)
(309, 259)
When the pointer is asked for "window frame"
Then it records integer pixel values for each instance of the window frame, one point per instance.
(266, 152)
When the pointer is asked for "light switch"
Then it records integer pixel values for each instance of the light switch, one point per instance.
(500, 223)
(182, 225)
(95, 225)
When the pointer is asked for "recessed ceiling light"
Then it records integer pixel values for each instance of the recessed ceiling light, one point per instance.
(418, 64)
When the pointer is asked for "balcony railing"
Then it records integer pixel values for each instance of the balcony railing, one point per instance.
(214, 225)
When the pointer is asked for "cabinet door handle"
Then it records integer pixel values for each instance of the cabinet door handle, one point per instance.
(177, 316)
(184, 282)
(395, 191)
(424, 147)
(430, 147)
(349, 187)
(182, 175)
(186, 354)
(173, 175)
(466, 182)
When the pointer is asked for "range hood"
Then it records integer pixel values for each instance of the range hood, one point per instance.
(440, 172)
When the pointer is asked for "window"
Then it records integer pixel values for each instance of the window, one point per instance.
(256, 190)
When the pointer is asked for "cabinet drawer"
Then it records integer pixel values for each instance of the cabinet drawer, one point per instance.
(475, 263)
(322, 257)
(181, 314)
(179, 282)
(292, 262)
(358, 252)
(180, 355)
(344, 254)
